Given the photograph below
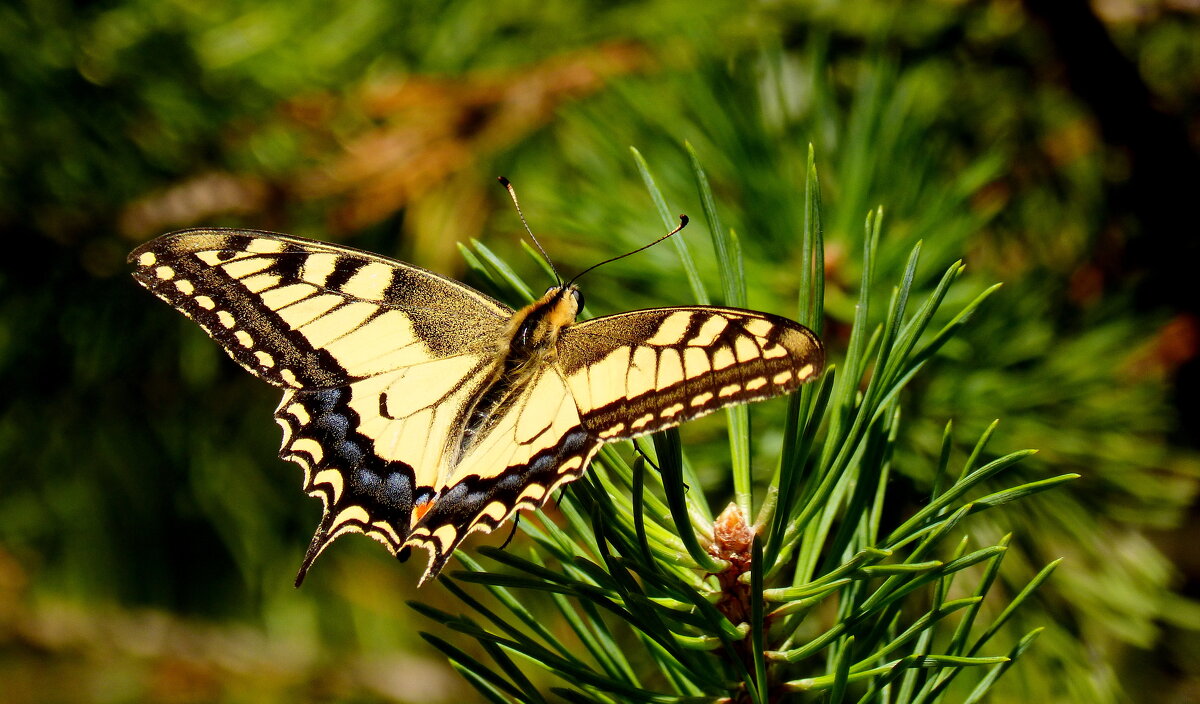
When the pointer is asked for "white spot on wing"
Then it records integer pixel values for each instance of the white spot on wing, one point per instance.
(672, 329)
(670, 368)
(241, 268)
(708, 332)
(338, 322)
(260, 282)
(311, 447)
(351, 513)
(641, 422)
(263, 245)
(723, 358)
(671, 410)
(695, 362)
(444, 537)
(641, 372)
(318, 267)
(615, 430)
(277, 298)
(746, 349)
(757, 327)
(308, 309)
(370, 281)
(333, 478)
(496, 511)
(533, 491)
(300, 413)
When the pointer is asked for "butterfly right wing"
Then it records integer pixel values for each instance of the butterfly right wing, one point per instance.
(645, 370)
(377, 358)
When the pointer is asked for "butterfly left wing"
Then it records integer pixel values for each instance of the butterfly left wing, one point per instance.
(373, 451)
(378, 361)
(647, 370)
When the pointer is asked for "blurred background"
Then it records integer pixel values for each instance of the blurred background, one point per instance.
(148, 534)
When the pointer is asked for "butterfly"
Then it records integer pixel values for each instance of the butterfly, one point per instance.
(422, 410)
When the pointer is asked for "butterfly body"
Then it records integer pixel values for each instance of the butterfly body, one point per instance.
(422, 410)
(529, 346)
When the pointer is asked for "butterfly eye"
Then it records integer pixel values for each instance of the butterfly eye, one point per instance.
(578, 298)
(549, 289)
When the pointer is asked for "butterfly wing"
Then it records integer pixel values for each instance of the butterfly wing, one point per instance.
(536, 445)
(614, 378)
(378, 359)
(643, 371)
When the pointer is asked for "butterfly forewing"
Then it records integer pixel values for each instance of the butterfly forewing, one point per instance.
(643, 371)
(304, 314)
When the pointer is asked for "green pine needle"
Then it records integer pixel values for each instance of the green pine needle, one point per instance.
(657, 601)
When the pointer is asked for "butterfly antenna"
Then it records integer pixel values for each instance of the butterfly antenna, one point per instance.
(512, 193)
(683, 221)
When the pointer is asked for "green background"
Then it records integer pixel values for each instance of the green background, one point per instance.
(148, 535)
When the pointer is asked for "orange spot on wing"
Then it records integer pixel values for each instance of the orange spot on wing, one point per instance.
(422, 508)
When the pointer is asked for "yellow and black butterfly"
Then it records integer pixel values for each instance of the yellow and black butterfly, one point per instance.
(422, 410)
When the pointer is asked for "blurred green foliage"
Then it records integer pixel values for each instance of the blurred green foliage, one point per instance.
(147, 535)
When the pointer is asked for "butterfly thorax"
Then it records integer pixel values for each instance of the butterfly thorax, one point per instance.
(529, 345)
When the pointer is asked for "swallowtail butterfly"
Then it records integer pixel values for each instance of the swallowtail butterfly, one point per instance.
(422, 410)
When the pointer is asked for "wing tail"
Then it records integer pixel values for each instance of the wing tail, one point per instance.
(320, 540)
(360, 491)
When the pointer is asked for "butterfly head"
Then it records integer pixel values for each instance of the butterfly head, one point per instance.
(536, 326)
(560, 304)
(562, 292)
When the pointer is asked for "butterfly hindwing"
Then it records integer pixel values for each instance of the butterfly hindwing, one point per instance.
(614, 378)
(375, 451)
(536, 445)
(643, 371)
